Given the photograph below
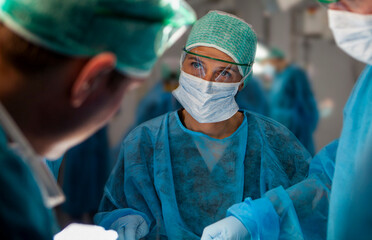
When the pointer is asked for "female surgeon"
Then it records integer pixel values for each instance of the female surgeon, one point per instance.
(185, 170)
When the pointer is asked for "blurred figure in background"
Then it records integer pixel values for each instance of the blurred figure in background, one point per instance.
(252, 97)
(291, 100)
(159, 100)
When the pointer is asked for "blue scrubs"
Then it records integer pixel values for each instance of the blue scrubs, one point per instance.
(292, 103)
(252, 98)
(23, 214)
(353, 142)
(182, 181)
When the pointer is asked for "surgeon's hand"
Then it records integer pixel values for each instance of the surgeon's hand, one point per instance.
(131, 227)
(225, 229)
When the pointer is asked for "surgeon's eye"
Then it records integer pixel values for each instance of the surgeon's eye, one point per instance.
(226, 74)
(196, 65)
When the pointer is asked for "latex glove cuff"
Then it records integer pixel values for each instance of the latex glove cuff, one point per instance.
(258, 216)
(113, 216)
(131, 227)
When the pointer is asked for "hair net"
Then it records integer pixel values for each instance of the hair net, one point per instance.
(276, 53)
(228, 34)
(138, 32)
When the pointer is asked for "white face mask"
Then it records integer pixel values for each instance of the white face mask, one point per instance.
(353, 33)
(205, 101)
(269, 70)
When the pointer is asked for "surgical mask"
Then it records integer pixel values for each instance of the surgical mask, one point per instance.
(269, 70)
(206, 101)
(353, 33)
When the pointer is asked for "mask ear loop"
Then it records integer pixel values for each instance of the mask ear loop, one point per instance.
(249, 75)
(182, 59)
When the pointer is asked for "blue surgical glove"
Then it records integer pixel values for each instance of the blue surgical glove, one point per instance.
(226, 229)
(131, 227)
(258, 216)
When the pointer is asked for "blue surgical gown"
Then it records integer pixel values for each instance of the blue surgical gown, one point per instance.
(361, 211)
(23, 214)
(353, 142)
(86, 170)
(182, 181)
(292, 103)
(252, 98)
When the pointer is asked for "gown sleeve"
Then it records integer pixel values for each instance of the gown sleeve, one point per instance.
(303, 207)
(301, 202)
(284, 163)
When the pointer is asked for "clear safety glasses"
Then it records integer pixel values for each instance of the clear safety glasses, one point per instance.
(212, 69)
(326, 3)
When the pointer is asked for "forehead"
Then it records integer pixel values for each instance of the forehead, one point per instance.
(212, 52)
(357, 6)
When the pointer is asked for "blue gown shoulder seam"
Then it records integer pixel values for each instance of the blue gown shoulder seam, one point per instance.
(141, 128)
(265, 119)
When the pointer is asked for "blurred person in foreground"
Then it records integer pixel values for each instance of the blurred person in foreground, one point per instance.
(344, 165)
(65, 66)
(349, 214)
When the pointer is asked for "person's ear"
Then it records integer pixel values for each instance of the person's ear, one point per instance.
(241, 86)
(95, 70)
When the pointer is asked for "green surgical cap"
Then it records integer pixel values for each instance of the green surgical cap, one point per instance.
(136, 31)
(276, 53)
(228, 34)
